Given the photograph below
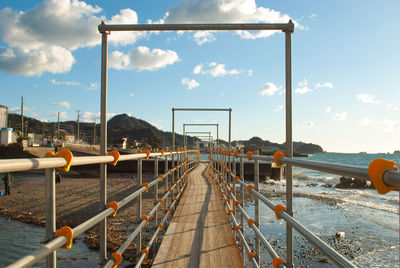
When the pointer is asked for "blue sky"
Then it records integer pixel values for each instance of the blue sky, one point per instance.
(346, 66)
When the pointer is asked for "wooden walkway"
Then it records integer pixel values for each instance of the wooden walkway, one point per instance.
(199, 234)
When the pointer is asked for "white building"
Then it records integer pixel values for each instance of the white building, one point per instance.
(3, 116)
(6, 135)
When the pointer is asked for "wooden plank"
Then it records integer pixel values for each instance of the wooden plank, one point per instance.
(199, 234)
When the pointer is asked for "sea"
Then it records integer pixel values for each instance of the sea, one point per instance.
(369, 221)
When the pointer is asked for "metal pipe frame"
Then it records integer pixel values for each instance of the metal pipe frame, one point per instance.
(192, 132)
(197, 27)
(104, 29)
(199, 110)
(216, 125)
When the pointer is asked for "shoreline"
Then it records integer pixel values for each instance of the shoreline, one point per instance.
(25, 204)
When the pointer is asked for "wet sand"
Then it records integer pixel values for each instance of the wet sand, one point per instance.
(77, 200)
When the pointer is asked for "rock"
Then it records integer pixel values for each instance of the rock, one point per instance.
(340, 234)
(327, 185)
(324, 260)
(346, 182)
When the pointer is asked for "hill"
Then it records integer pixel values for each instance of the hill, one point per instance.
(120, 126)
(268, 147)
(125, 126)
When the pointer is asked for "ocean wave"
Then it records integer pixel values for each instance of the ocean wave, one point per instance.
(300, 176)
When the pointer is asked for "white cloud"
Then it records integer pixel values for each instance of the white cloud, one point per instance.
(222, 94)
(41, 39)
(387, 125)
(142, 58)
(92, 86)
(328, 109)
(131, 94)
(63, 115)
(268, 89)
(392, 107)
(218, 70)
(326, 85)
(279, 108)
(14, 109)
(64, 83)
(35, 114)
(309, 125)
(190, 83)
(65, 104)
(303, 87)
(157, 124)
(90, 117)
(367, 98)
(202, 37)
(17, 109)
(226, 11)
(340, 116)
(366, 122)
(126, 16)
(313, 16)
(53, 59)
(66, 23)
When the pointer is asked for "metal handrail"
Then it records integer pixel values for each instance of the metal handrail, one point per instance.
(254, 227)
(51, 246)
(24, 164)
(390, 177)
(320, 244)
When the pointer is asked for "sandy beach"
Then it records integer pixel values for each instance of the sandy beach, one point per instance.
(77, 200)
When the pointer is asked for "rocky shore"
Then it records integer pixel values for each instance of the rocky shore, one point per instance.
(77, 200)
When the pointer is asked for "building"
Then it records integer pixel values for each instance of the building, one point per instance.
(3, 116)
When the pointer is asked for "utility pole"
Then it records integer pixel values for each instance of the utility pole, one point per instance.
(22, 116)
(42, 133)
(78, 124)
(58, 126)
(94, 132)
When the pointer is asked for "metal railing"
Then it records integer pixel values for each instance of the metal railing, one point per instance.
(187, 160)
(222, 169)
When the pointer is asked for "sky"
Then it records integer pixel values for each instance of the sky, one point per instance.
(346, 65)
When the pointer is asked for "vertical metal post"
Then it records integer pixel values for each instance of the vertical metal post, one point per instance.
(103, 148)
(234, 184)
(242, 203)
(217, 138)
(173, 177)
(139, 210)
(230, 111)
(257, 205)
(173, 129)
(166, 181)
(289, 145)
(156, 188)
(50, 191)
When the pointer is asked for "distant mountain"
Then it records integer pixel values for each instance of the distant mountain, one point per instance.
(266, 146)
(118, 127)
(125, 126)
